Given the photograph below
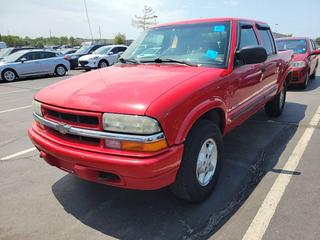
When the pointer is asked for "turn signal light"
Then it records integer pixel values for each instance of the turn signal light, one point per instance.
(137, 146)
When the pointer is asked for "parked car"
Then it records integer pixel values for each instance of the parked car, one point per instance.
(156, 121)
(7, 51)
(3, 45)
(84, 50)
(66, 51)
(102, 57)
(31, 63)
(305, 62)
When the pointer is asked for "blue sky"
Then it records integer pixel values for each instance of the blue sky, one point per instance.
(67, 17)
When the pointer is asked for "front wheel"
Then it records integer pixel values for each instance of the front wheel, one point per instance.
(275, 107)
(60, 71)
(103, 64)
(9, 75)
(201, 163)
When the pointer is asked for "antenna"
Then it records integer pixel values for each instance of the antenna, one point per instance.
(85, 6)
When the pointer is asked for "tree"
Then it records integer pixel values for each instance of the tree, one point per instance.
(120, 38)
(147, 19)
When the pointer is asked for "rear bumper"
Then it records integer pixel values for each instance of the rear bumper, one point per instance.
(299, 75)
(128, 172)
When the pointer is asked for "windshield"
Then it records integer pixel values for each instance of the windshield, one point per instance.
(5, 52)
(298, 45)
(13, 57)
(102, 50)
(201, 44)
(83, 49)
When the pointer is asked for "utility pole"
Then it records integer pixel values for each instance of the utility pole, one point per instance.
(85, 6)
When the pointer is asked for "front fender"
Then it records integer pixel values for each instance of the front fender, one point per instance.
(196, 113)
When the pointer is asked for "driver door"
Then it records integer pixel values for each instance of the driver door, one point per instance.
(31, 66)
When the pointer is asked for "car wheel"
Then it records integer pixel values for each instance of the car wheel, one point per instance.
(60, 70)
(313, 75)
(304, 85)
(103, 64)
(201, 163)
(9, 75)
(274, 108)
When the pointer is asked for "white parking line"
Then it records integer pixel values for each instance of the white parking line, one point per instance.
(14, 109)
(263, 217)
(18, 154)
(17, 91)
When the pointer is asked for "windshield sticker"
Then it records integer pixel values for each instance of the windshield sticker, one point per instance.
(211, 54)
(219, 28)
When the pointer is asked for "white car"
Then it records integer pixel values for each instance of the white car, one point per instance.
(32, 62)
(102, 57)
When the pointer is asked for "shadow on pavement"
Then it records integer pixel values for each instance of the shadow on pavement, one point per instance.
(250, 151)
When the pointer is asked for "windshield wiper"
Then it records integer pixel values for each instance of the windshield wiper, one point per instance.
(169, 60)
(129, 60)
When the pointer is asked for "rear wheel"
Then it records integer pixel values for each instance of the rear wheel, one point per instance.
(274, 108)
(201, 162)
(60, 70)
(9, 75)
(103, 64)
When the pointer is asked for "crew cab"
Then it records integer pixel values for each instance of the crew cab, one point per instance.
(305, 61)
(152, 121)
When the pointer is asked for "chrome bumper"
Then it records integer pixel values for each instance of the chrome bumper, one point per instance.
(67, 129)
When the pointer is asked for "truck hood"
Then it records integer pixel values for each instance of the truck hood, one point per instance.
(123, 88)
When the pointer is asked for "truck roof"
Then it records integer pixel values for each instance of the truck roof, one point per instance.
(294, 38)
(204, 20)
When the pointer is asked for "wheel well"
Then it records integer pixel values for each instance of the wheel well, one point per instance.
(104, 60)
(217, 116)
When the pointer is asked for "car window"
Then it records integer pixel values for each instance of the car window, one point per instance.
(95, 48)
(267, 41)
(313, 45)
(115, 50)
(44, 55)
(32, 56)
(122, 49)
(247, 38)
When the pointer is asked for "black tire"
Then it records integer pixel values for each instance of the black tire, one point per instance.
(274, 108)
(60, 70)
(313, 75)
(9, 75)
(304, 85)
(103, 64)
(187, 186)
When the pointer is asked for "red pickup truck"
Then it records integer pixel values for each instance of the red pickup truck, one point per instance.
(305, 61)
(157, 117)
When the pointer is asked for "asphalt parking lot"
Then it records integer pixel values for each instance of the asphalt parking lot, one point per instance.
(38, 201)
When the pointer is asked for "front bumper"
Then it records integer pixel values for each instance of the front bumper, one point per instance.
(73, 63)
(88, 64)
(144, 173)
(299, 75)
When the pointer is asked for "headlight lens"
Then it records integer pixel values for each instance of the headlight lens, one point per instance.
(298, 64)
(37, 107)
(130, 124)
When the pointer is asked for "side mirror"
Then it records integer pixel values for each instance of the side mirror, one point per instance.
(252, 55)
(315, 52)
(110, 53)
(22, 60)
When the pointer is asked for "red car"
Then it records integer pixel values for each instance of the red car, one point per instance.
(305, 60)
(157, 119)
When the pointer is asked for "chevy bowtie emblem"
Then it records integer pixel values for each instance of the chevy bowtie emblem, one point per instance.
(63, 128)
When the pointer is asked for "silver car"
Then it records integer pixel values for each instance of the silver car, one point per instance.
(31, 63)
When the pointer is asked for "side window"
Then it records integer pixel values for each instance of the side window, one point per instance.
(313, 45)
(115, 50)
(122, 49)
(247, 38)
(47, 54)
(32, 56)
(267, 41)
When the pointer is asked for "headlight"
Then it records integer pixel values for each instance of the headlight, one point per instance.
(94, 58)
(130, 124)
(298, 64)
(73, 57)
(37, 107)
